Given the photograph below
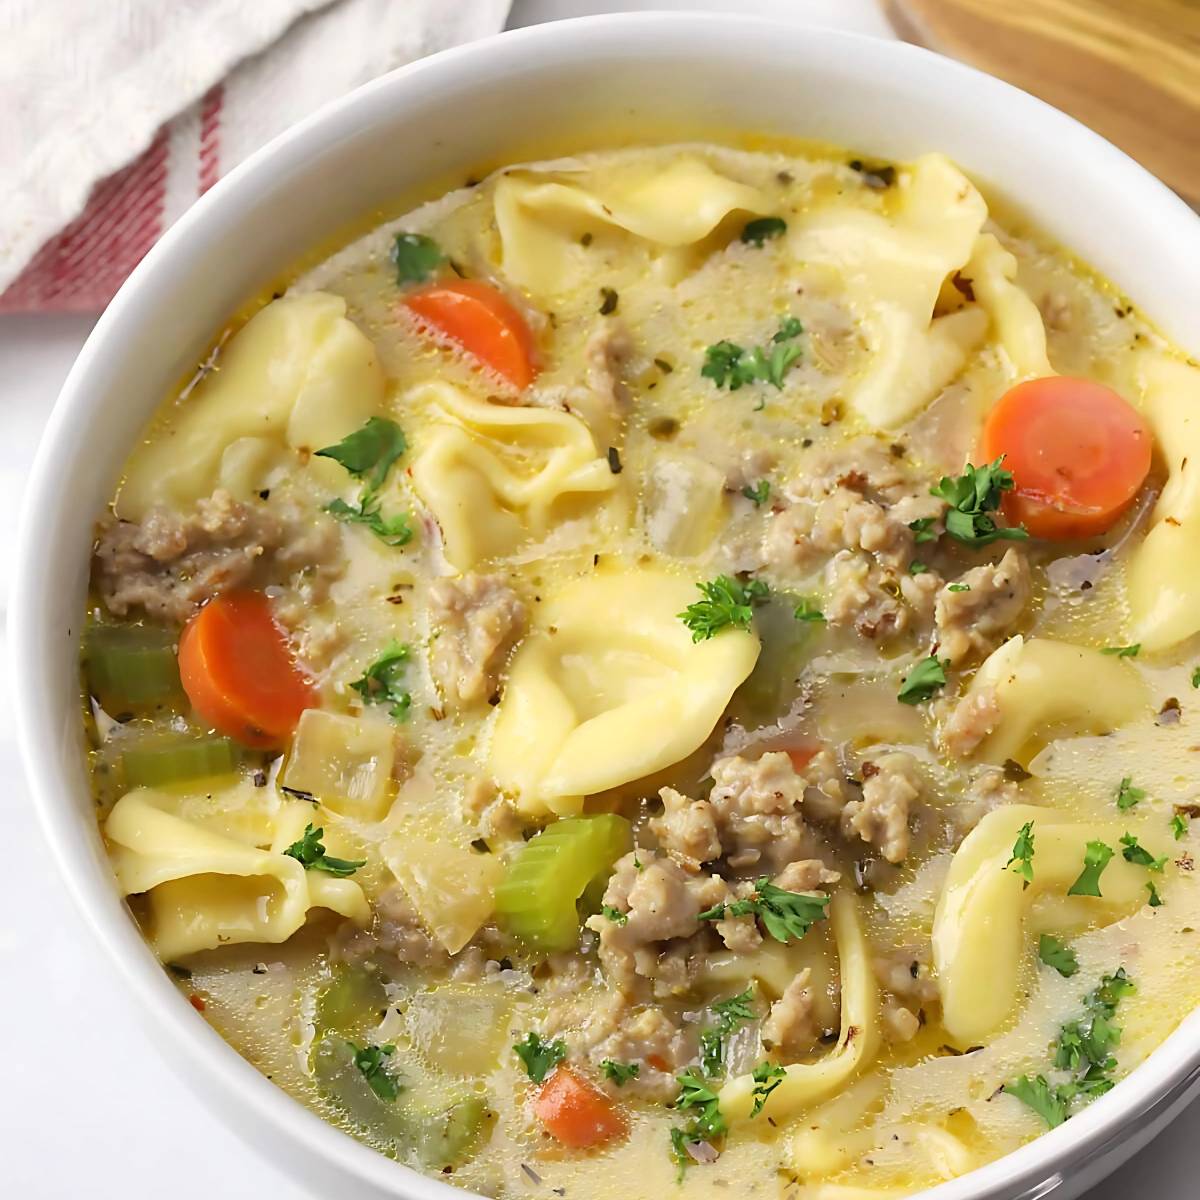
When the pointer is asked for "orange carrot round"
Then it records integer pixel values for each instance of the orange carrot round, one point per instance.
(1077, 451)
(237, 670)
(485, 323)
(575, 1113)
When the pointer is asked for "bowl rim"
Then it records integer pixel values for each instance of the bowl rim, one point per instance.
(1146, 1097)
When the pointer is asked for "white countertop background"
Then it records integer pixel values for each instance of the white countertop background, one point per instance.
(87, 1106)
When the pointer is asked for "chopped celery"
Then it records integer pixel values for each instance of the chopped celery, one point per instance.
(173, 758)
(438, 1136)
(536, 901)
(131, 668)
(352, 1002)
(445, 1137)
(786, 647)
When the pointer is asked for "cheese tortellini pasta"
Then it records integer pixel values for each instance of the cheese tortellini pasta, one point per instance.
(675, 663)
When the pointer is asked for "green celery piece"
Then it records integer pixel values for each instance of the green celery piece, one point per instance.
(131, 668)
(174, 758)
(536, 900)
(445, 1137)
(351, 1003)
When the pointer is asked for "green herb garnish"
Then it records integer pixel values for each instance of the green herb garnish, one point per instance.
(806, 610)
(310, 854)
(370, 1061)
(415, 257)
(1095, 858)
(695, 1095)
(383, 682)
(767, 1077)
(759, 230)
(1129, 796)
(758, 493)
(958, 587)
(1021, 862)
(1046, 1100)
(1179, 827)
(922, 681)
(620, 1073)
(1134, 852)
(728, 604)
(784, 915)
(1058, 955)
(1155, 900)
(730, 1014)
(729, 365)
(540, 1058)
(1122, 651)
(917, 568)
(615, 915)
(1196, 678)
(973, 497)
(923, 528)
(368, 455)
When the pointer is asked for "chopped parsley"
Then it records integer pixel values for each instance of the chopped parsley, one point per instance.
(973, 497)
(784, 915)
(1021, 862)
(729, 365)
(1196, 678)
(1179, 827)
(728, 604)
(922, 681)
(615, 915)
(761, 229)
(368, 455)
(806, 610)
(1134, 852)
(1155, 900)
(697, 1097)
(620, 1073)
(309, 852)
(1045, 1099)
(1084, 1048)
(923, 528)
(1058, 955)
(1123, 651)
(538, 1057)
(415, 257)
(767, 1077)
(758, 493)
(383, 682)
(1129, 796)
(370, 1061)
(1095, 858)
(958, 587)
(730, 1014)
(917, 568)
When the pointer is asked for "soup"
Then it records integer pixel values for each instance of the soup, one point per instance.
(671, 665)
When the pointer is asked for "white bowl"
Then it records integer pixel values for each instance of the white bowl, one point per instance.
(441, 120)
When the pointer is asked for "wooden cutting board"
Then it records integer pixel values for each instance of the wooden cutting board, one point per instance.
(1128, 68)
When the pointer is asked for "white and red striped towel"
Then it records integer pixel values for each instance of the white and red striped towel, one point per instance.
(119, 115)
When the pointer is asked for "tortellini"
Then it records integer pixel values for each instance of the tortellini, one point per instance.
(979, 929)
(608, 687)
(542, 217)
(805, 1083)
(1017, 324)
(1164, 569)
(1045, 689)
(213, 871)
(494, 475)
(892, 268)
(298, 377)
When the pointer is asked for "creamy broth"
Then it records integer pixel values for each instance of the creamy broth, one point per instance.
(643, 765)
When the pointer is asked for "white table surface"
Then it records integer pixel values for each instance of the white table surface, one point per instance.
(87, 1107)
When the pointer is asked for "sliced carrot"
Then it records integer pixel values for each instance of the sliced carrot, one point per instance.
(1077, 451)
(575, 1113)
(485, 323)
(237, 670)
